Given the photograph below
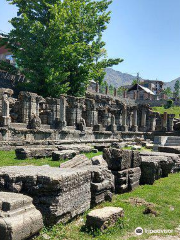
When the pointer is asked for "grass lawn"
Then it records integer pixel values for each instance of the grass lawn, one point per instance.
(164, 194)
(9, 159)
(173, 110)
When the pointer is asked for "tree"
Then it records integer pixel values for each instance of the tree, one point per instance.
(135, 81)
(168, 92)
(177, 88)
(58, 45)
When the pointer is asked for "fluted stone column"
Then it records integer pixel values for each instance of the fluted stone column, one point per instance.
(91, 113)
(5, 110)
(164, 121)
(171, 122)
(124, 120)
(143, 120)
(63, 122)
(134, 120)
(153, 121)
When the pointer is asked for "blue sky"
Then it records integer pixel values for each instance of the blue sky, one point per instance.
(145, 33)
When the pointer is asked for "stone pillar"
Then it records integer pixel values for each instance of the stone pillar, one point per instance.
(28, 102)
(113, 123)
(63, 122)
(143, 120)
(124, 120)
(152, 121)
(164, 121)
(5, 110)
(134, 120)
(171, 122)
(105, 118)
(91, 113)
(135, 95)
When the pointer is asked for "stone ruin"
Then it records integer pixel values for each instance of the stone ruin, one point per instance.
(32, 120)
(65, 128)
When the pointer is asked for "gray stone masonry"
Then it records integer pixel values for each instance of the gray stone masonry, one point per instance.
(60, 194)
(64, 154)
(19, 219)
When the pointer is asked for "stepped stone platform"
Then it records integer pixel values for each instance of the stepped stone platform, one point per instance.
(19, 219)
(59, 194)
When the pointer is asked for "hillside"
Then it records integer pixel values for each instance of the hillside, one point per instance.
(117, 79)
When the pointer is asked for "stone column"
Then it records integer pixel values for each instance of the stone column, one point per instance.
(124, 120)
(105, 118)
(152, 121)
(125, 94)
(63, 122)
(5, 110)
(134, 120)
(171, 122)
(164, 121)
(143, 120)
(91, 113)
(113, 123)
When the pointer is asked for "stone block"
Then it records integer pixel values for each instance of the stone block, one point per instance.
(19, 219)
(60, 194)
(78, 161)
(127, 180)
(117, 159)
(39, 152)
(104, 218)
(62, 155)
(98, 160)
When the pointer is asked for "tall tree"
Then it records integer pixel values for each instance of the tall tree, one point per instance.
(58, 45)
(177, 88)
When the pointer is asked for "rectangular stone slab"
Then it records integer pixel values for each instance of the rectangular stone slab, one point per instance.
(60, 194)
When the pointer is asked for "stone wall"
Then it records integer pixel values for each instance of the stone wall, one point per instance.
(96, 116)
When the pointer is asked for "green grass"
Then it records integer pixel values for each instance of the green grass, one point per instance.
(165, 194)
(173, 110)
(142, 149)
(9, 159)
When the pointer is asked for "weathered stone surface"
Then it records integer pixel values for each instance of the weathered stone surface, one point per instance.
(98, 160)
(102, 184)
(169, 149)
(104, 217)
(150, 169)
(118, 159)
(60, 194)
(24, 153)
(78, 161)
(65, 154)
(82, 148)
(127, 180)
(19, 219)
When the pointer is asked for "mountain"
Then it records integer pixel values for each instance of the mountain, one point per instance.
(117, 78)
(172, 83)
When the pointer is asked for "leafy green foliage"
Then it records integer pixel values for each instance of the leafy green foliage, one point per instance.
(169, 104)
(168, 92)
(58, 44)
(172, 110)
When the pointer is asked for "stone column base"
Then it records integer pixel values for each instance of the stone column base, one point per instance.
(124, 128)
(135, 128)
(6, 121)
